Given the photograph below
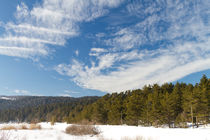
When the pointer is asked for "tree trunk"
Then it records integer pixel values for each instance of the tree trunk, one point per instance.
(192, 116)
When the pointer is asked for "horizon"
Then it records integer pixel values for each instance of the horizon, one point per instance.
(94, 47)
(93, 95)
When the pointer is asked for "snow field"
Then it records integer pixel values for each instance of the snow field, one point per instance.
(108, 132)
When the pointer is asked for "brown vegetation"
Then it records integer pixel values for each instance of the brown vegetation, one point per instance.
(35, 126)
(21, 127)
(9, 127)
(79, 130)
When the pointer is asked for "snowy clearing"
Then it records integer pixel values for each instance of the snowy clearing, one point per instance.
(108, 132)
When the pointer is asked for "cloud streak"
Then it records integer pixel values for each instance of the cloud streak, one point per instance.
(170, 40)
(50, 23)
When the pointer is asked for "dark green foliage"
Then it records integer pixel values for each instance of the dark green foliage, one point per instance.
(57, 108)
(134, 108)
(116, 108)
(172, 105)
(153, 105)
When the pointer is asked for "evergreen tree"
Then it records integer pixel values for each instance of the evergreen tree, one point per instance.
(177, 97)
(116, 109)
(156, 106)
(189, 102)
(100, 114)
(134, 108)
(168, 105)
(146, 115)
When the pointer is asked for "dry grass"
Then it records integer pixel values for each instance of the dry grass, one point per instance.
(35, 126)
(9, 127)
(23, 127)
(80, 130)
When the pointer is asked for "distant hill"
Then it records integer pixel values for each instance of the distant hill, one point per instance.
(18, 102)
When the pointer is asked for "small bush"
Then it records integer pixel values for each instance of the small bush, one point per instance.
(23, 127)
(79, 130)
(35, 126)
(53, 120)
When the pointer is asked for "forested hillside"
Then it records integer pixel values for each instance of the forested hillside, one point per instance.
(17, 102)
(153, 105)
(39, 108)
(174, 105)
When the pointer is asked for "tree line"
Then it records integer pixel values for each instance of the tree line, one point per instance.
(42, 109)
(169, 104)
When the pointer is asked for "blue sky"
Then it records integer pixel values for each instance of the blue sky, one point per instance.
(92, 47)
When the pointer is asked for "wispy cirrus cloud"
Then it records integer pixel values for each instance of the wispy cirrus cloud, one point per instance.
(22, 92)
(170, 40)
(50, 23)
(64, 95)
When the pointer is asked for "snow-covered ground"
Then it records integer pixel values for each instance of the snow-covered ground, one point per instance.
(109, 132)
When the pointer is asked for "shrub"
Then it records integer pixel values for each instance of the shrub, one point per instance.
(79, 130)
(181, 121)
(53, 120)
(23, 127)
(35, 126)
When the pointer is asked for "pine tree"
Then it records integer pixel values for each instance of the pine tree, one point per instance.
(156, 106)
(189, 102)
(168, 105)
(134, 108)
(177, 97)
(100, 112)
(115, 114)
(146, 115)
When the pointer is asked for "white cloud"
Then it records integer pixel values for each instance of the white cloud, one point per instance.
(22, 11)
(70, 91)
(127, 66)
(21, 51)
(100, 35)
(97, 51)
(21, 92)
(24, 92)
(51, 22)
(77, 52)
(167, 67)
(65, 95)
